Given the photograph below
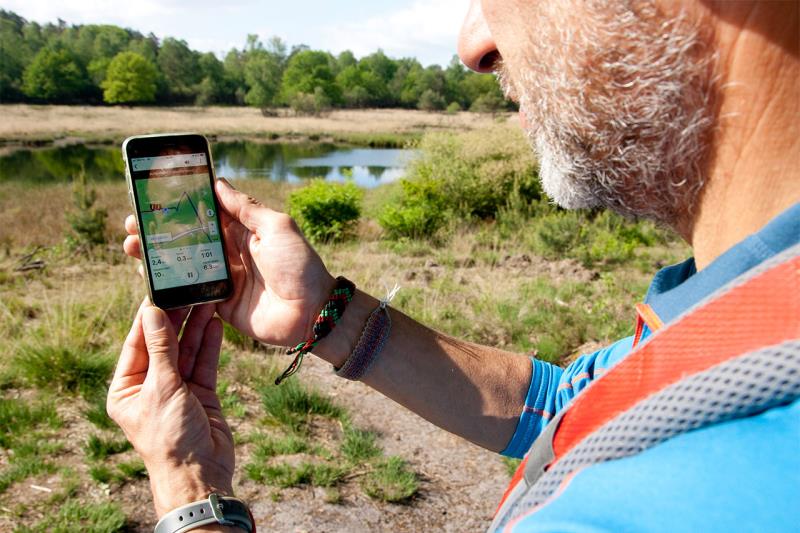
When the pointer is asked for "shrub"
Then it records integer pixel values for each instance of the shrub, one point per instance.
(431, 100)
(453, 108)
(461, 177)
(421, 211)
(326, 211)
(593, 237)
(88, 223)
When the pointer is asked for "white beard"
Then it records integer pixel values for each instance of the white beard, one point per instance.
(620, 107)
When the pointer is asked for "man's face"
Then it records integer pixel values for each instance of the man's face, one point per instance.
(616, 97)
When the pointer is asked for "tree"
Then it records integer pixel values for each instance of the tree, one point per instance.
(307, 70)
(130, 79)
(263, 70)
(12, 55)
(54, 75)
(180, 68)
(431, 100)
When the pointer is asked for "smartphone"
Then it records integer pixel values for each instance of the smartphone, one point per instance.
(171, 186)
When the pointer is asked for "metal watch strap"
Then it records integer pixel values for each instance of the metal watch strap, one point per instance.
(215, 510)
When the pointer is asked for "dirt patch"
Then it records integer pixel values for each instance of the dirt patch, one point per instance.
(461, 483)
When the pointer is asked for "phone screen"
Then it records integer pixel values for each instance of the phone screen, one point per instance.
(178, 219)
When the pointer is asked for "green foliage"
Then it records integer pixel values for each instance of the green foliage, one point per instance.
(420, 211)
(21, 426)
(98, 448)
(81, 517)
(87, 222)
(54, 75)
(313, 104)
(594, 238)
(67, 368)
(326, 211)
(73, 63)
(291, 404)
(488, 103)
(359, 445)
(511, 465)
(18, 418)
(453, 108)
(130, 79)
(461, 177)
(180, 67)
(391, 481)
(284, 475)
(431, 100)
(306, 71)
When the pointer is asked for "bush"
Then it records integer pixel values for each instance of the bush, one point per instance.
(592, 237)
(313, 104)
(431, 100)
(326, 211)
(488, 103)
(420, 212)
(87, 222)
(453, 108)
(461, 177)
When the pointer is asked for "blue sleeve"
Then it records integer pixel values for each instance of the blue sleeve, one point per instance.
(552, 388)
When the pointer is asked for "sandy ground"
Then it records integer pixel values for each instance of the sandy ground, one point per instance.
(26, 122)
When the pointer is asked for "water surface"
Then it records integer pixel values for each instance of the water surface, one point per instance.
(290, 162)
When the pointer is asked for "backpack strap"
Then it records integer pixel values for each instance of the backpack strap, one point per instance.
(735, 354)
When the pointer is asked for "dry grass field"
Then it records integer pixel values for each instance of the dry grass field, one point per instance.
(26, 123)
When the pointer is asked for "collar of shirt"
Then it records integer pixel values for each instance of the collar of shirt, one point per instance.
(678, 287)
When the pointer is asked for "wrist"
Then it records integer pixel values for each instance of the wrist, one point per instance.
(173, 488)
(337, 346)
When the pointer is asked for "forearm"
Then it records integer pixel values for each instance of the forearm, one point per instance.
(474, 391)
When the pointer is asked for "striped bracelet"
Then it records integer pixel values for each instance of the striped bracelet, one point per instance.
(342, 294)
(373, 339)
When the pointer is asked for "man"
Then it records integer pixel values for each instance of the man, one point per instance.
(684, 112)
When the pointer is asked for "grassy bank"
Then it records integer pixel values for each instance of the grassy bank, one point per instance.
(37, 125)
(510, 272)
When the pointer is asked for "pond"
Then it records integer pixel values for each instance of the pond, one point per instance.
(289, 162)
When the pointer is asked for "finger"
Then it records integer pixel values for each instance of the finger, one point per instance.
(192, 338)
(205, 367)
(161, 342)
(133, 358)
(177, 317)
(131, 226)
(131, 246)
(243, 208)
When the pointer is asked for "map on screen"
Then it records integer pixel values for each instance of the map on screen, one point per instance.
(180, 228)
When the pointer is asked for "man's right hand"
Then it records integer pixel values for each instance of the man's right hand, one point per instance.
(280, 283)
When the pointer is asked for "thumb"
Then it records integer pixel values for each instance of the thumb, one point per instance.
(162, 344)
(246, 209)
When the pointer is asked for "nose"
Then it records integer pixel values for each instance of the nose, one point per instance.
(476, 48)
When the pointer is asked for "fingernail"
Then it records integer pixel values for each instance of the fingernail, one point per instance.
(226, 182)
(153, 319)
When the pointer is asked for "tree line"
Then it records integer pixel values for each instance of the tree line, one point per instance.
(94, 64)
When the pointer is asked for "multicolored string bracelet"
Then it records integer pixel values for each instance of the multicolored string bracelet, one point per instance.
(330, 315)
(373, 339)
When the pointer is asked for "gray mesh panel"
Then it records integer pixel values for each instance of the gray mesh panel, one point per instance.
(740, 387)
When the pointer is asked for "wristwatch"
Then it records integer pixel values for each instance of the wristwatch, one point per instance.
(215, 510)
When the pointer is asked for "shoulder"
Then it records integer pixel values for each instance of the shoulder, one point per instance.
(714, 479)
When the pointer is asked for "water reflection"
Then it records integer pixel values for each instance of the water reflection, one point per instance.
(367, 167)
(292, 163)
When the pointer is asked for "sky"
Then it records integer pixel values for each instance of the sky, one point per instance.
(425, 29)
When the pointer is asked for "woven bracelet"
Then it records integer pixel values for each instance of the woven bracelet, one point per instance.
(373, 339)
(330, 315)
